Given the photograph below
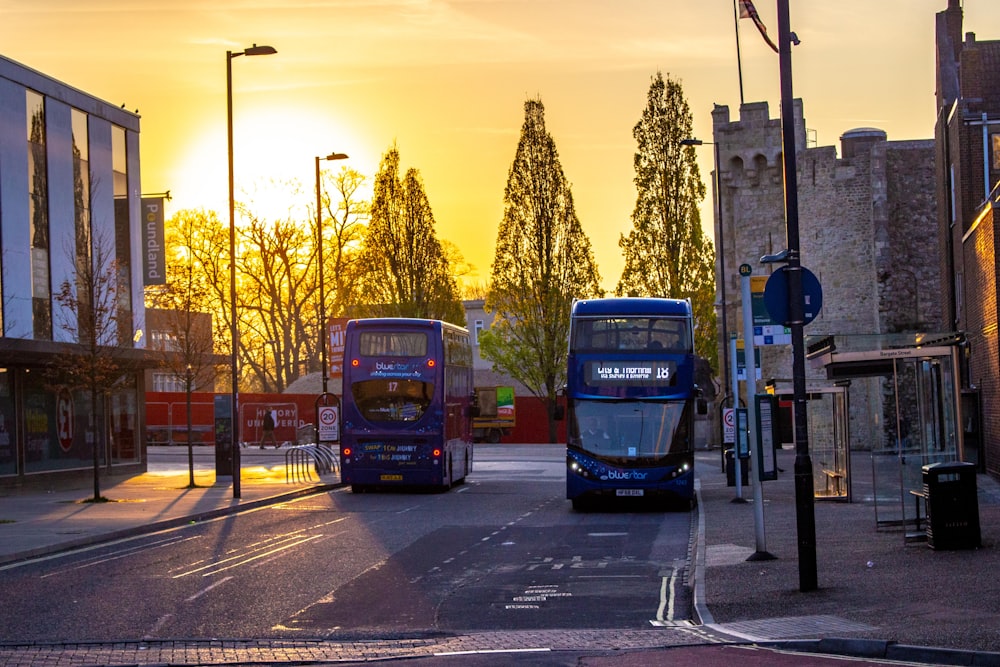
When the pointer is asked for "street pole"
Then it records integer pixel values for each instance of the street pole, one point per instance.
(324, 334)
(234, 332)
(804, 498)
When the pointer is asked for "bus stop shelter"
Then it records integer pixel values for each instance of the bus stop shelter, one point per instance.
(906, 406)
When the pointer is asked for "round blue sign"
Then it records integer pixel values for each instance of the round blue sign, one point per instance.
(776, 295)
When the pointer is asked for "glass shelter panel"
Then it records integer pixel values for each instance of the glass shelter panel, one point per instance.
(829, 441)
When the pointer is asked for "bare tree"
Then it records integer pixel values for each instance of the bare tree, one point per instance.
(344, 219)
(185, 320)
(278, 303)
(97, 362)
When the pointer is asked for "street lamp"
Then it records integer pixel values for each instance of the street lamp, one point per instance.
(234, 331)
(722, 257)
(319, 253)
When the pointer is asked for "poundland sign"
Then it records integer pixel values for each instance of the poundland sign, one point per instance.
(154, 265)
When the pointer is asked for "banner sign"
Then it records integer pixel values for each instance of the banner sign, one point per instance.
(336, 330)
(154, 265)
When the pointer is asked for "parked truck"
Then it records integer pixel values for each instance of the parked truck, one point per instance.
(495, 415)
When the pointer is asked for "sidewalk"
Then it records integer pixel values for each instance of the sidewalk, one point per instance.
(872, 583)
(39, 521)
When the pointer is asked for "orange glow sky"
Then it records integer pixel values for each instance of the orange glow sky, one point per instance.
(447, 81)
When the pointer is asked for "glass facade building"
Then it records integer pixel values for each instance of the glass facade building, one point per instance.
(71, 299)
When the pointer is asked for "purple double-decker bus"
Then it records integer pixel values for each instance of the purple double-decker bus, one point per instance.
(407, 404)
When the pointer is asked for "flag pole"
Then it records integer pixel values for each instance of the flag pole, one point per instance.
(739, 63)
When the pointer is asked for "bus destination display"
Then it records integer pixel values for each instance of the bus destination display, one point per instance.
(630, 373)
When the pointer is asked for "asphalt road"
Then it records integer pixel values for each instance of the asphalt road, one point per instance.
(502, 552)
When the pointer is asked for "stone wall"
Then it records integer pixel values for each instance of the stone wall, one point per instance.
(867, 230)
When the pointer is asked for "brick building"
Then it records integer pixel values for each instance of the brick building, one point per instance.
(967, 170)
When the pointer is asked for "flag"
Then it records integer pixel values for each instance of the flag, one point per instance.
(748, 11)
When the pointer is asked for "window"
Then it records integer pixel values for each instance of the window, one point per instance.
(168, 382)
(393, 344)
(81, 190)
(41, 303)
(123, 242)
(995, 143)
(393, 400)
(479, 326)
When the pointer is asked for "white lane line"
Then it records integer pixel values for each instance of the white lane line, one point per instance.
(99, 560)
(241, 559)
(495, 650)
(207, 589)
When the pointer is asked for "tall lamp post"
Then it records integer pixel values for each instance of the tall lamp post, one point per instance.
(234, 330)
(319, 253)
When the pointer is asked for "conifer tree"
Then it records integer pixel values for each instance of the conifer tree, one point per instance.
(543, 261)
(404, 269)
(667, 254)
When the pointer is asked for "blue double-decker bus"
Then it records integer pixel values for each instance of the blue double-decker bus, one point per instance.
(406, 409)
(631, 401)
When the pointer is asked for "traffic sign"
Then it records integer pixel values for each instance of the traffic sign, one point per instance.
(329, 423)
(776, 295)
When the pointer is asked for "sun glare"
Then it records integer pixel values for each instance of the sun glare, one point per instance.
(273, 162)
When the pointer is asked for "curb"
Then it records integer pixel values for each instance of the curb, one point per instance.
(887, 650)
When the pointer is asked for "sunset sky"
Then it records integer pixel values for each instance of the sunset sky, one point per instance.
(447, 81)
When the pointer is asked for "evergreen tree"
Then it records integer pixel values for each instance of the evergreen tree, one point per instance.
(404, 269)
(543, 262)
(667, 254)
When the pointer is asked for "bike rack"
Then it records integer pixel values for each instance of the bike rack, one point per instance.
(302, 460)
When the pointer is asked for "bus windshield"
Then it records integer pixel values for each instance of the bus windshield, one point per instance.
(605, 334)
(630, 430)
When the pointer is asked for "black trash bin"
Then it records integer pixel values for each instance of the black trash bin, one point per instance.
(952, 505)
(731, 469)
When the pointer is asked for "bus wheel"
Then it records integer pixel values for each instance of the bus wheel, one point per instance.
(357, 488)
(580, 504)
(494, 436)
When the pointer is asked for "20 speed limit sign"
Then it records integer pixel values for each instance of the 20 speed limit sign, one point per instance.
(728, 426)
(329, 423)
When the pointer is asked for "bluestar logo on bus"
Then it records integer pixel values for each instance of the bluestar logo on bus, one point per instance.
(624, 475)
(395, 369)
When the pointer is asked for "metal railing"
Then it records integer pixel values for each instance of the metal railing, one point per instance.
(301, 461)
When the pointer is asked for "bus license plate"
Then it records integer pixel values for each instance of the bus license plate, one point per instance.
(628, 492)
(391, 478)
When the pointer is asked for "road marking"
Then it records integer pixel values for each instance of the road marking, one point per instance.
(668, 594)
(160, 622)
(99, 560)
(495, 650)
(207, 589)
(241, 559)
